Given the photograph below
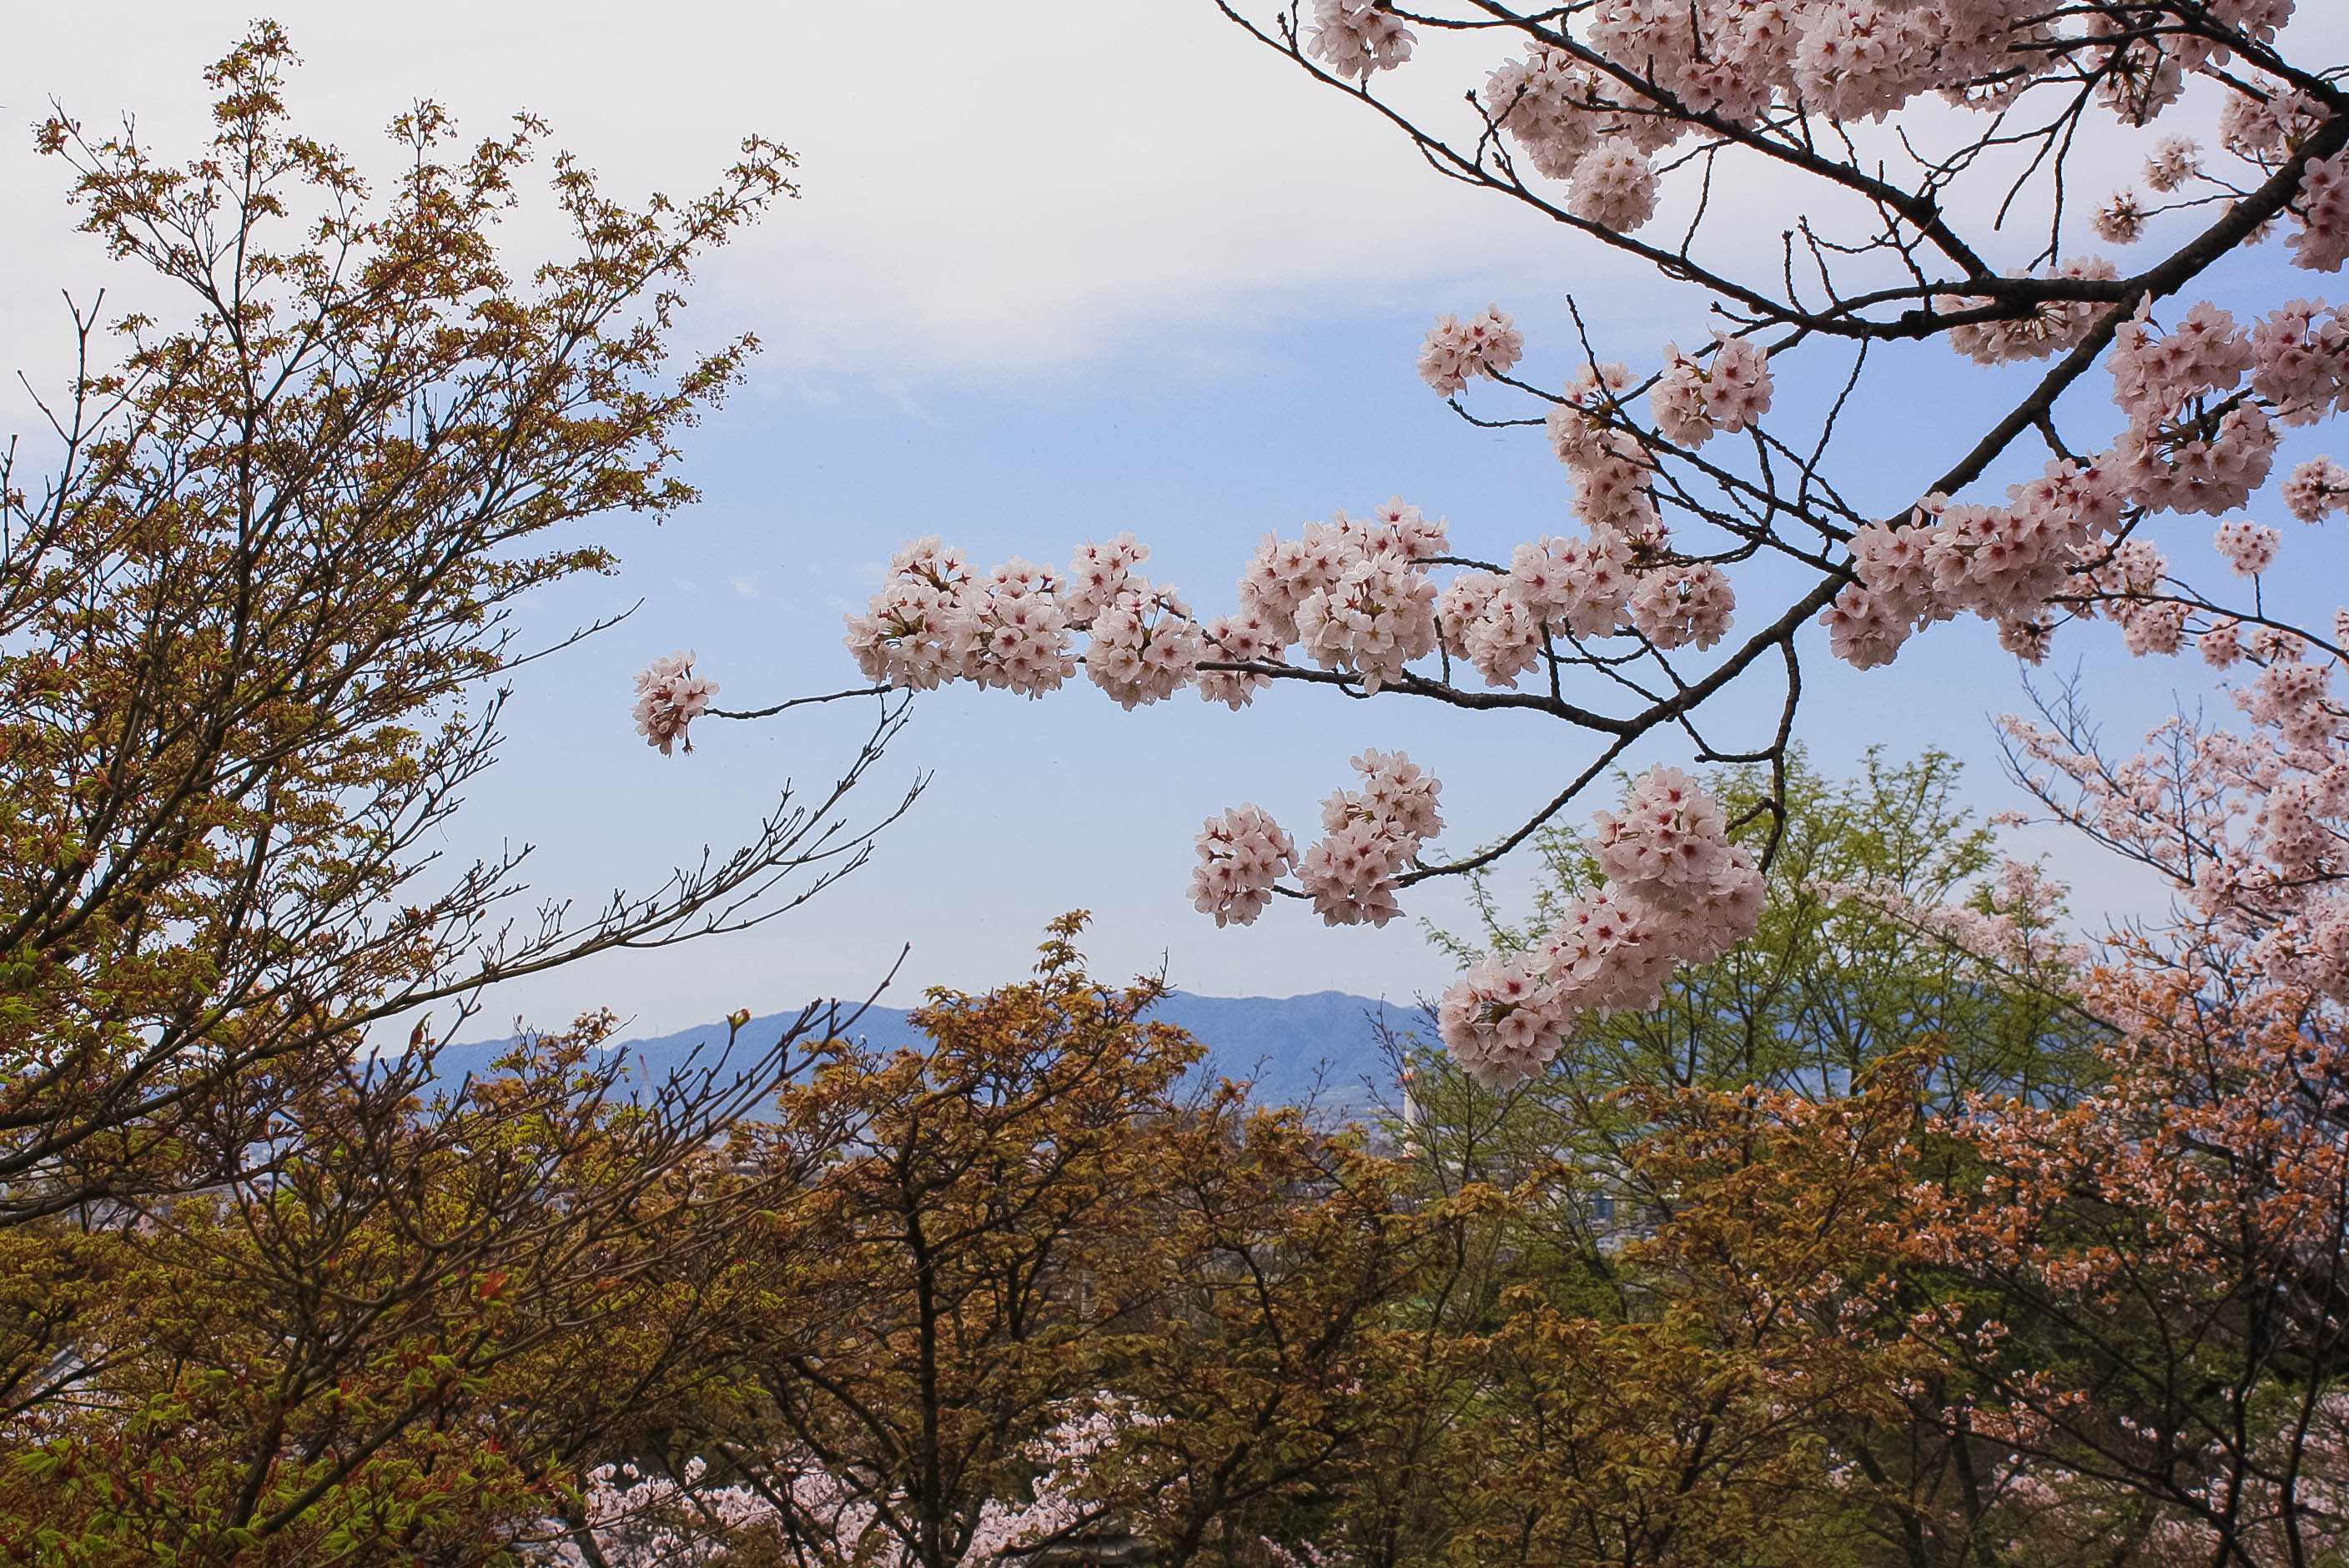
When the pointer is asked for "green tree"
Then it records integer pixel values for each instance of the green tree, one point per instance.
(1828, 985)
(1684, 1312)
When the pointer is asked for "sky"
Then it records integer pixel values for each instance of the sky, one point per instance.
(1058, 269)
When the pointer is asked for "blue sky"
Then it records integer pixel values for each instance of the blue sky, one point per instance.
(1060, 269)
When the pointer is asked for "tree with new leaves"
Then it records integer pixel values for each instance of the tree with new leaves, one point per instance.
(1687, 1345)
(1036, 1288)
(935, 1297)
(400, 1345)
(267, 1296)
(1286, 1364)
(2095, 1260)
(256, 607)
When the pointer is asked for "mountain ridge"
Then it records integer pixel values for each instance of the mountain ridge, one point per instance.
(1324, 1044)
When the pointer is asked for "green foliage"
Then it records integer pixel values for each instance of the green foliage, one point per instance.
(1829, 984)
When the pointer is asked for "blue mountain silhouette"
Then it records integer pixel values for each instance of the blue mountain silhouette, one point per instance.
(1324, 1045)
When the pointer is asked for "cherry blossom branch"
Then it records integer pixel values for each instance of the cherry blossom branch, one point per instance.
(881, 691)
(1621, 626)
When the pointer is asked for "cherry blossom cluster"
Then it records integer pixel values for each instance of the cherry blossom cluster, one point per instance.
(1356, 37)
(2316, 489)
(646, 1520)
(1677, 892)
(2003, 564)
(1242, 855)
(1692, 400)
(2253, 827)
(937, 620)
(2193, 442)
(670, 698)
(2229, 1483)
(1618, 599)
(2052, 329)
(2120, 220)
(2322, 243)
(642, 1519)
(1456, 352)
(2261, 121)
(1852, 60)
(2250, 547)
(1352, 592)
(2217, 1137)
(1848, 60)
(1369, 836)
(1591, 432)
(2015, 922)
(2203, 402)
(2265, 125)
(2202, 398)
(2169, 458)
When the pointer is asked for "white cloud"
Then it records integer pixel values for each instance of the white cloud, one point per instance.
(989, 189)
(986, 188)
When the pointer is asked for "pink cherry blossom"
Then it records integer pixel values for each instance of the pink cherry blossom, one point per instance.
(1576, 586)
(1506, 640)
(1145, 647)
(2323, 212)
(1861, 60)
(919, 629)
(2172, 467)
(1863, 630)
(1613, 601)
(1678, 893)
(2052, 328)
(1357, 38)
(1373, 620)
(2267, 128)
(1613, 186)
(1668, 844)
(1683, 605)
(1242, 854)
(1244, 638)
(1369, 836)
(1544, 103)
(670, 698)
(2155, 373)
(2120, 220)
(1456, 352)
(1097, 573)
(1692, 400)
(1020, 635)
(2300, 358)
(2175, 160)
(1502, 1023)
(2250, 547)
(1353, 591)
(1349, 876)
(2316, 489)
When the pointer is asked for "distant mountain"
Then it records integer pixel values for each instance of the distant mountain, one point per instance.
(1290, 1047)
